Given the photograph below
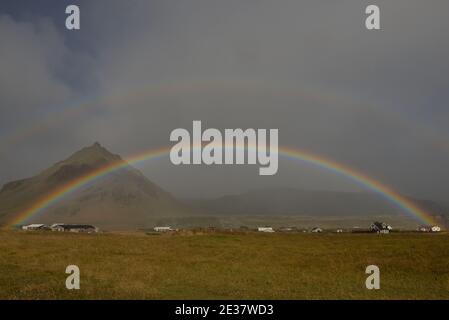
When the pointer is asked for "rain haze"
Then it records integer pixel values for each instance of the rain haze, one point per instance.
(376, 101)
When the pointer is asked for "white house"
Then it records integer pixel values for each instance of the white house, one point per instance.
(265, 229)
(316, 230)
(34, 226)
(429, 229)
(163, 229)
(57, 227)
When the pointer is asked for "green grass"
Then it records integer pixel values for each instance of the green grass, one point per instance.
(223, 266)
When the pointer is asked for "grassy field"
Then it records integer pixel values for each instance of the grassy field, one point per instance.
(223, 266)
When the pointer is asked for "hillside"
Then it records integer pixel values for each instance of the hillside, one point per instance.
(123, 199)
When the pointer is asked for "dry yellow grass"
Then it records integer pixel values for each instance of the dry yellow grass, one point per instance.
(223, 266)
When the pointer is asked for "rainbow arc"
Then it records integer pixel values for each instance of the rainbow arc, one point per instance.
(369, 183)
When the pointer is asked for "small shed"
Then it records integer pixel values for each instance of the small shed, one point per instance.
(163, 229)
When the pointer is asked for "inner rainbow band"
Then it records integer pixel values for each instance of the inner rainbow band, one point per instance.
(400, 201)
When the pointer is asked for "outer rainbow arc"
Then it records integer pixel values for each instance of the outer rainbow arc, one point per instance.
(206, 86)
(388, 193)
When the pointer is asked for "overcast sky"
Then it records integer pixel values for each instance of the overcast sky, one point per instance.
(373, 100)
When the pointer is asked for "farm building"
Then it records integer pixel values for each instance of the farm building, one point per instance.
(265, 229)
(62, 227)
(429, 228)
(423, 229)
(163, 229)
(35, 226)
(380, 227)
(316, 230)
(57, 227)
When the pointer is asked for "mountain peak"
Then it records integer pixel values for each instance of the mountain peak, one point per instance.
(122, 199)
(93, 154)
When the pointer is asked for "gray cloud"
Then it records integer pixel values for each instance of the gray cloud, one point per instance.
(373, 100)
(30, 56)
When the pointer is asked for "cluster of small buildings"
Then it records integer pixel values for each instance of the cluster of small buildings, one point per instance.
(381, 227)
(429, 229)
(62, 227)
(376, 227)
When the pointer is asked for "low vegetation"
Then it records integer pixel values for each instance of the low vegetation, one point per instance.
(223, 266)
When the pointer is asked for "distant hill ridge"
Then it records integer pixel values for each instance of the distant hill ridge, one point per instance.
(292, 201)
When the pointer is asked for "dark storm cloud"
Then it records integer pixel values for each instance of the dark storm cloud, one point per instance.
(373, 100)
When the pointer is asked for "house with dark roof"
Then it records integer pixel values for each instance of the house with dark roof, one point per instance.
(84, 228)
(380, 227)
